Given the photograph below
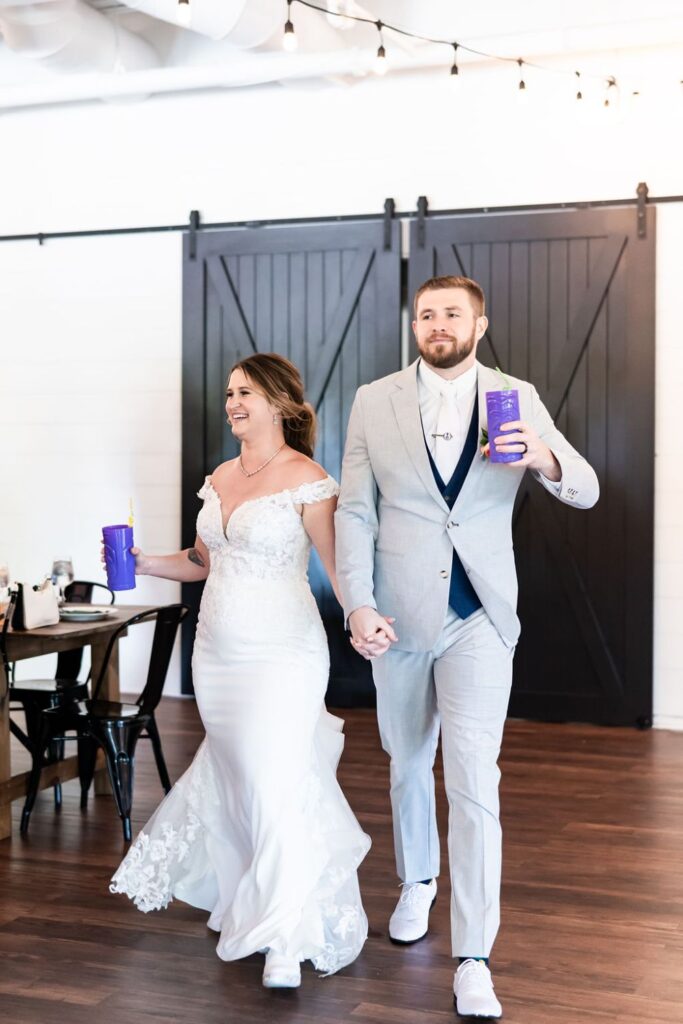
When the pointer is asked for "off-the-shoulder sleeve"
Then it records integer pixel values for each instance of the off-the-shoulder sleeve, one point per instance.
(203, 491)
(319, 490)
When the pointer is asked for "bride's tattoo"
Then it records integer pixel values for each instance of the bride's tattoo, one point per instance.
(195, 557)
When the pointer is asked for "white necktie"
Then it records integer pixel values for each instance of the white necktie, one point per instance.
(447, 436)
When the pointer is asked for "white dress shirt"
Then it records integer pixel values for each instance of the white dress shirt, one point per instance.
(433, 391)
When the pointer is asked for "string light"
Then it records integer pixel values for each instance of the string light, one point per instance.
(289, 39)
(636, 103)
(183, 12)
(522, 83)
(338, 13)
(611, 84)
(454, 69)
(381, 58)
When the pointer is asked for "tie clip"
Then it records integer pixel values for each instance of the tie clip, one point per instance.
(446, 436)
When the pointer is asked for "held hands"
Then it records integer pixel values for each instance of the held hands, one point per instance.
(535, 453)
(140, 560)
(371, 633)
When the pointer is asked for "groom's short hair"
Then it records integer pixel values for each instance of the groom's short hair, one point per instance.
(474, 290)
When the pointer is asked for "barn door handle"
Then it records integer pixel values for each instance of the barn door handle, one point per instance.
(194, 227)
(421, 215)
(389, 210)
(642, 192)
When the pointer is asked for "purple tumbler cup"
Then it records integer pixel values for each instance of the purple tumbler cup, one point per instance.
(501, 407)
(118, 540)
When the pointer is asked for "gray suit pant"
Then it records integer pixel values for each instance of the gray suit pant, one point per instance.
(460, 688)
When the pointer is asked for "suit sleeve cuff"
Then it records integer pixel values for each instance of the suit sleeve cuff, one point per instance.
(552, 485)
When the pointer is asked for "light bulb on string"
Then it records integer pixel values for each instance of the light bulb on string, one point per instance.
(521, 88)
(183, 13)
(637, 103)
(289, 39)
(381, 58)
(455, 71)
(611, 94)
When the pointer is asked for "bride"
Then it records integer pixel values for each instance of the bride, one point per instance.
(257, 830)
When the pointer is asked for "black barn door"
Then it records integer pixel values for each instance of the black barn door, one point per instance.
(571, 308)
(328, 298)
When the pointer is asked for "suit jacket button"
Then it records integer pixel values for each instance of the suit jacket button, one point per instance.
(444, 573)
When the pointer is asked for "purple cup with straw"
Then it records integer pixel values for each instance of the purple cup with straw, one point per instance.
(501, 407)
(120, 563)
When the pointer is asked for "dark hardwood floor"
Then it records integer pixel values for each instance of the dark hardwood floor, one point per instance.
(592, 900)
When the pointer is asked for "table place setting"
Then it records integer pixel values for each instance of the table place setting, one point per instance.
(84, 612)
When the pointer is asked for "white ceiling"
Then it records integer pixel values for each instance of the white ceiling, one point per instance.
(104, 47)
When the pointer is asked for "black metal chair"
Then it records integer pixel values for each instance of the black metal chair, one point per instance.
(79, 592)
(33, 696)
(112, 725)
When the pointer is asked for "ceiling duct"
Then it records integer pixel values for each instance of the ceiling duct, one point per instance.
(68, 35)
(246, 22)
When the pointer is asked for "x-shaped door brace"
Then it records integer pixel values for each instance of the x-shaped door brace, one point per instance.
(328, 347)
(561, 381)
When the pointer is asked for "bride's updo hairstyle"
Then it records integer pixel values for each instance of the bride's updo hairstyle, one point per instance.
(281, 383)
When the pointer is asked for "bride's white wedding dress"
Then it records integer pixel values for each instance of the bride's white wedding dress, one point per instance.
(257, 830)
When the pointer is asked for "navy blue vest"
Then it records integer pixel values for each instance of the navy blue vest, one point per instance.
(462, 596)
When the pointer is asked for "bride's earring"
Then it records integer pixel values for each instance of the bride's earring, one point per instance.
(275, 419)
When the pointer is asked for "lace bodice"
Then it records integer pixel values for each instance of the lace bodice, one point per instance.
(257, 830)
(265, 537)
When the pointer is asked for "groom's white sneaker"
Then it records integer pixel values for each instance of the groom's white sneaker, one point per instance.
(410, 921)
(473, 991)
(281, 971)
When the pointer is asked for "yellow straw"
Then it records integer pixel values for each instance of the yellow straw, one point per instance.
(130, 512)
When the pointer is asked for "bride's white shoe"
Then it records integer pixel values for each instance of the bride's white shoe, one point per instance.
(281, 971)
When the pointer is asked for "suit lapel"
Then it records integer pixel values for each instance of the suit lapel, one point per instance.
(407, 411)
(486, 381)
(484, 384)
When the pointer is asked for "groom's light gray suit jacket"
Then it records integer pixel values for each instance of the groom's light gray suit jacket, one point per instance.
(395, 533)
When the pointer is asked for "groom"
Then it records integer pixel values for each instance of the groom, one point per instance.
(427, 575)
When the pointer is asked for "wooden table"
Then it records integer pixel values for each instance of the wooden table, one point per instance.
(30, 643)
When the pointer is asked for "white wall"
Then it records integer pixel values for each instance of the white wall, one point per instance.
(668, 605)
(79, 313)
(90, 409)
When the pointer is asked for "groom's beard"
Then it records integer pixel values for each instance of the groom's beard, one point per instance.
(449, 352)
